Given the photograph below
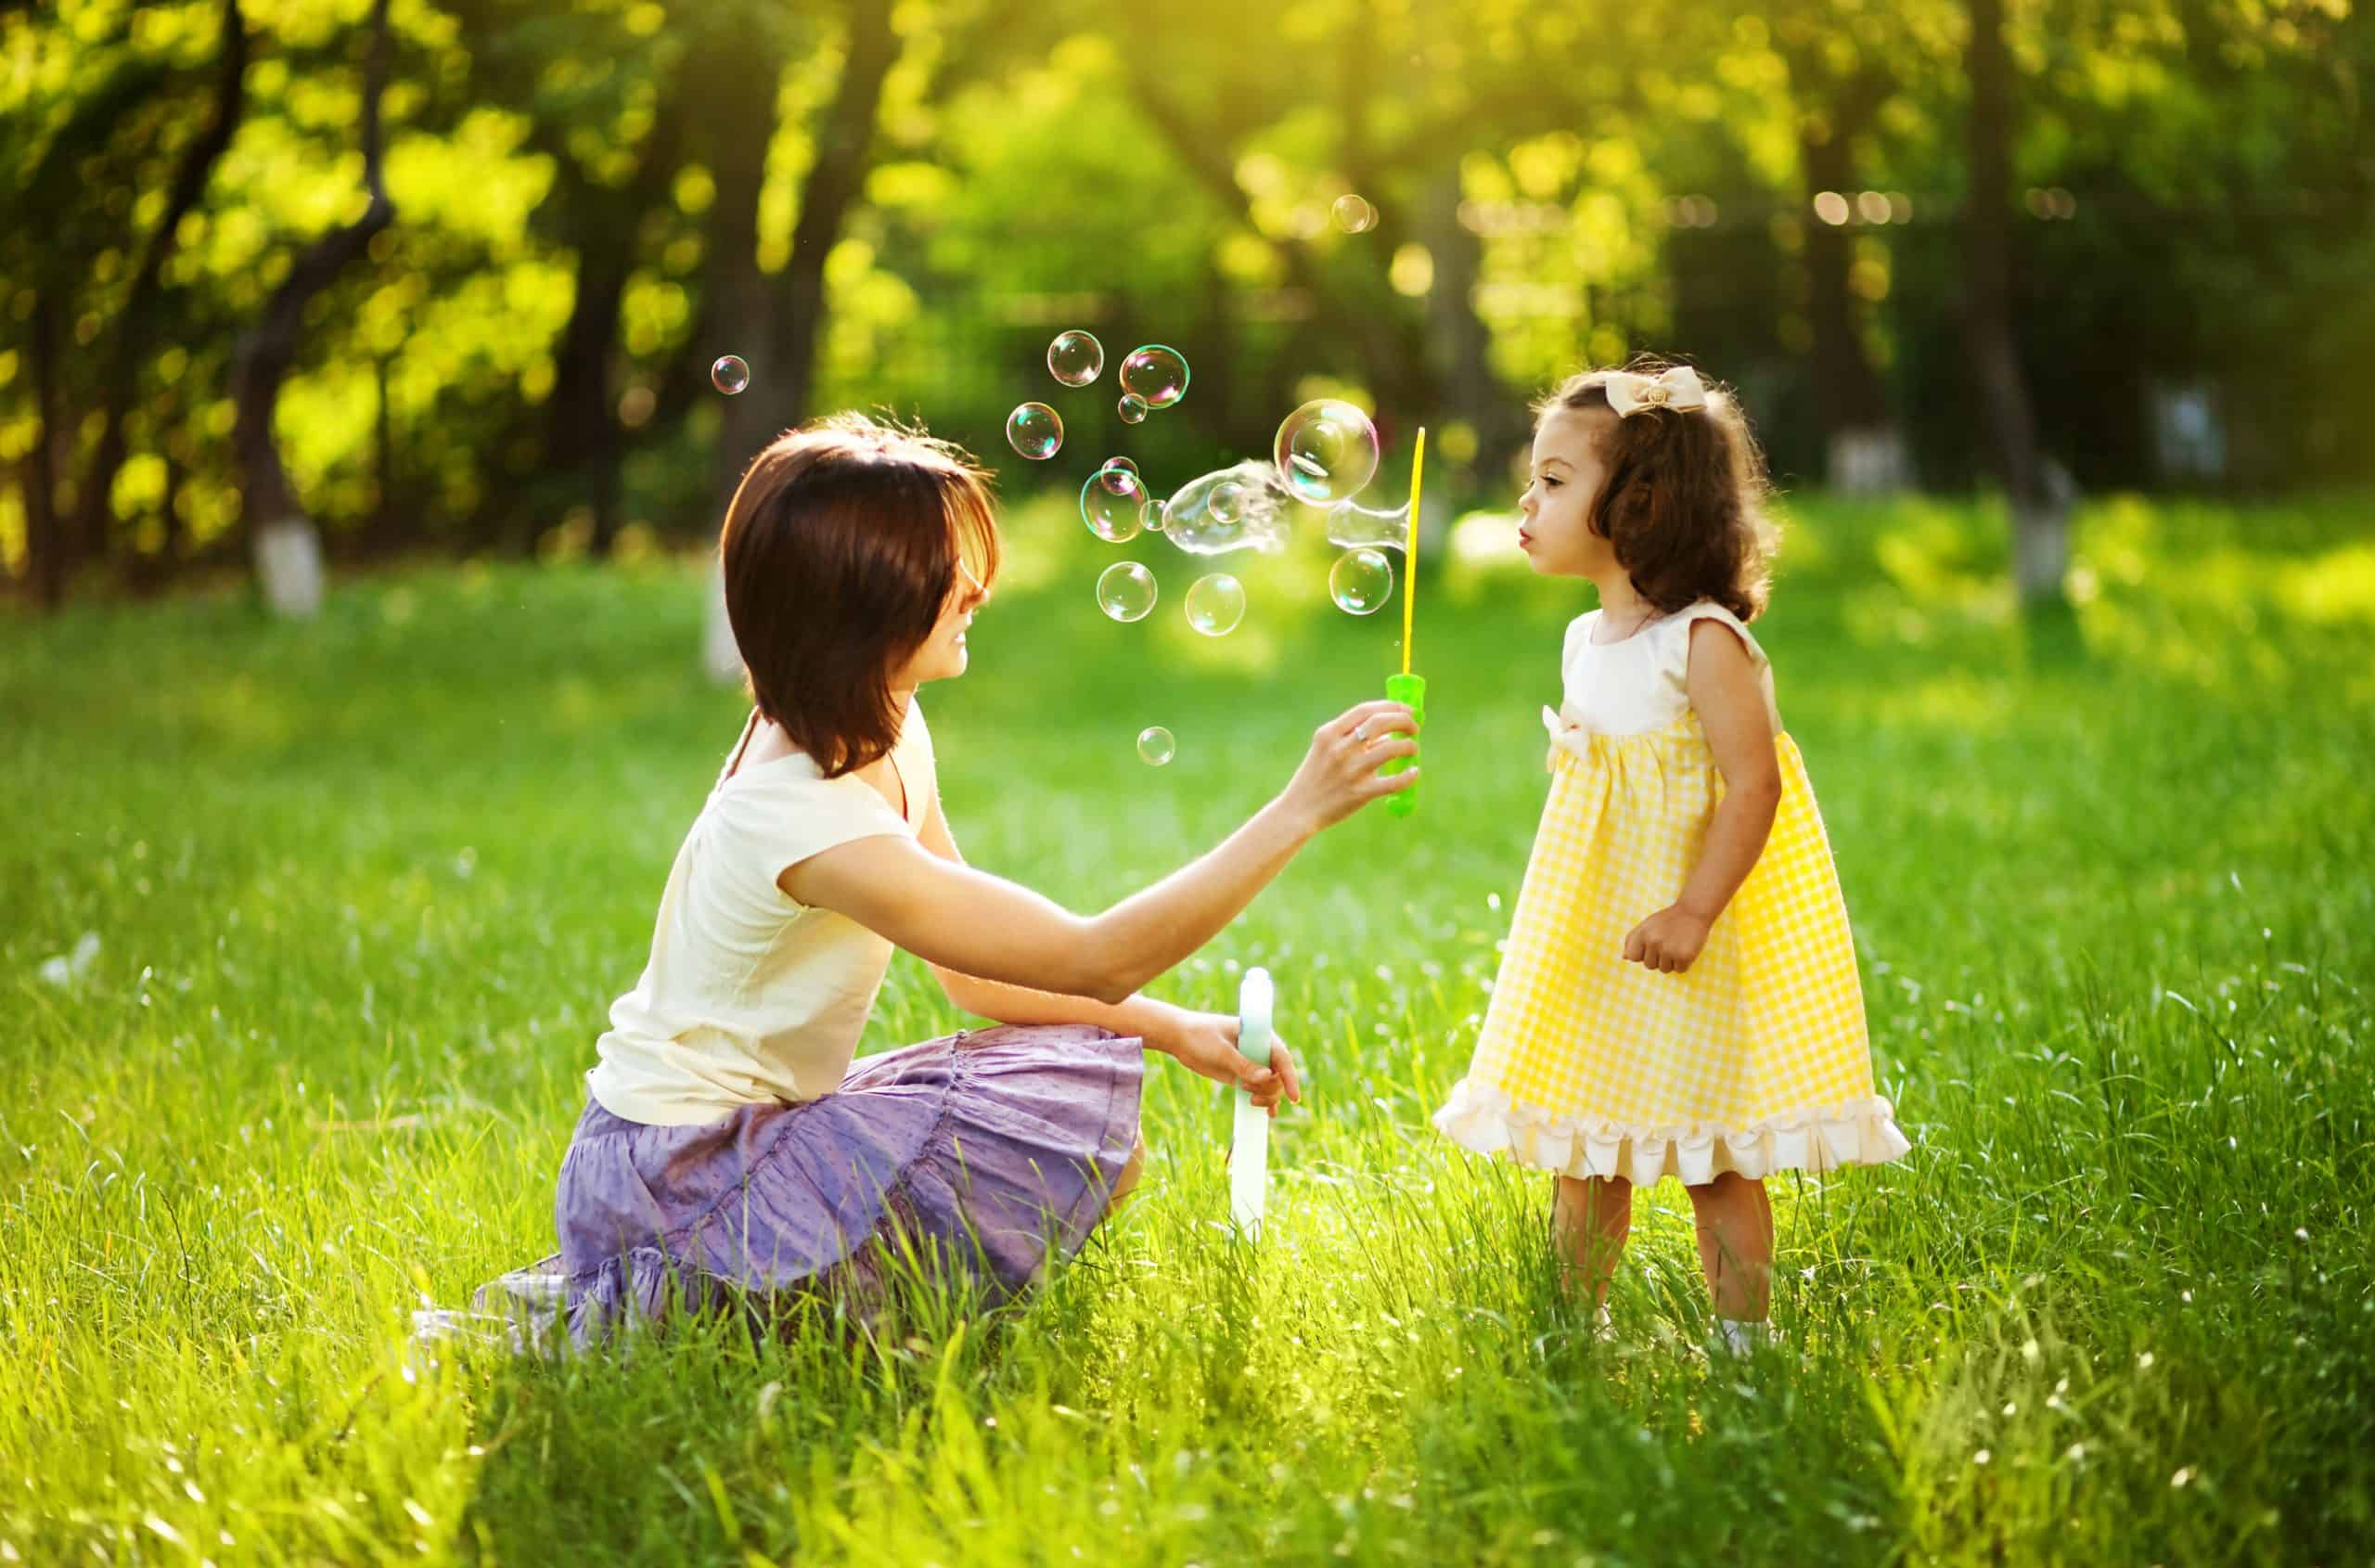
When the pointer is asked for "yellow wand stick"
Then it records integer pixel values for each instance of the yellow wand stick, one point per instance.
(1405, 687)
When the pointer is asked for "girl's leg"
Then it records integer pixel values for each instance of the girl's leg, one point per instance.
(1736, 1245)
(1589, 1220)
(1125, 1181)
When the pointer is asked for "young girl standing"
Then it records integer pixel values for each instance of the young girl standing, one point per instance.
(1678, 994)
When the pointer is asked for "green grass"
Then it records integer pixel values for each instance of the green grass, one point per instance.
(363, 890)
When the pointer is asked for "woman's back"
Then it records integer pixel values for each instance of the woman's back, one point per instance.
(748, 994)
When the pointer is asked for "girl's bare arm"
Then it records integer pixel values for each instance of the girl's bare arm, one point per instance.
(1729, 700)
(1730, 704)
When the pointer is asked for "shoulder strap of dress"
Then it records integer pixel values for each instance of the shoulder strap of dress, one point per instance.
(1707, 610)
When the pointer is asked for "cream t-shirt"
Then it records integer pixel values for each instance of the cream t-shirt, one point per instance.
(750, 995)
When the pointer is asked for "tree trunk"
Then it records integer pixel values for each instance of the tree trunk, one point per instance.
(1461, 342)
(777, 334)
(287, 546)
(741, 84)
(845, 153)
(45, 537)
(2040, 504)
(1865, 449)
(135, 335)
(583, 444)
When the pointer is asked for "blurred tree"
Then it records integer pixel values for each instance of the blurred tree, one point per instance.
(141, 322)
(286, 541)
(1846, 60)
(898, 205)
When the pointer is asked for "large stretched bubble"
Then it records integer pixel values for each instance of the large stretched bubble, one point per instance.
(1244, 508)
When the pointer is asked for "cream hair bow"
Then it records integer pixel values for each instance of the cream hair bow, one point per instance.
(1679, 389)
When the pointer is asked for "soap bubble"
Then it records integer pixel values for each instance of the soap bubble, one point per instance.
(1119, 475)
(1354, 214)
(1035, 430)
(1327, 451)
(730, 375)
(1155, 746)
(1133, 408)
(1076, 358)
(1352, 525)
(1125, 591)
(1215, 604)
(1151, 517)
(1156, 374)
(1109, 504)
(1361, 581)
(1251, 514)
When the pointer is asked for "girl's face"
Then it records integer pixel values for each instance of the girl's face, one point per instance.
(1556, 532)
(943, 655)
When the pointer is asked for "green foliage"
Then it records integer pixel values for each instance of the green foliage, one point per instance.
(1555, 182)
(363, 887)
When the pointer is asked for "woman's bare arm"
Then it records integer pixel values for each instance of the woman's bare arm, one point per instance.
(957, 918)
(1139, 1016)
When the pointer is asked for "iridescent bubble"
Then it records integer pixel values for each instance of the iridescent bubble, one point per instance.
(1110, 500)
(1035, 430)
(1076, 358)
(1325, 450)
(1155, 746)
(1119, 474)
(1353, 215)
(1351, 524)
(1361, 581)
(1125, 591)
(1155, 374)
(1251, 512)
(730, 375)
(1215, 604)
(1152, 516)
(1133, 408)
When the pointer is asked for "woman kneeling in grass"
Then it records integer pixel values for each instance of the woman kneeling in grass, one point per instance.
(730, 1151)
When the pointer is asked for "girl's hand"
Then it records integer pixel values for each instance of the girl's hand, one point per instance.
(1668, 940)
(1339, 775)
(1205, 1043)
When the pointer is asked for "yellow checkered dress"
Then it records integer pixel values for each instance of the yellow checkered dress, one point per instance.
(1754, 1059)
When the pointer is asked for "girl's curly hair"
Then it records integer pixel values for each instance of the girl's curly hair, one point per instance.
(1684, 500)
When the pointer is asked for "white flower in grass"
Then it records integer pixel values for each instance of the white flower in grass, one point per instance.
(67, 969)
(2184, 1475)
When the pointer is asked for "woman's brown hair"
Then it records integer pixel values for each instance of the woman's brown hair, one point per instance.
(841, 549)
(1684, 502)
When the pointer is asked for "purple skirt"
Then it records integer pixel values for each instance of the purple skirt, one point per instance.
(984, 1152)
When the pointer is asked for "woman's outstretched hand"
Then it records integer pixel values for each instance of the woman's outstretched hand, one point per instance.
(1339, 774)
(1205, 1043)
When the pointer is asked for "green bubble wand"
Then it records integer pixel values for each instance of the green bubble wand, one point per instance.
(1407, 688)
